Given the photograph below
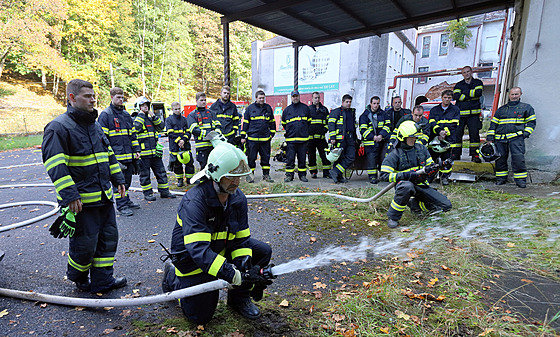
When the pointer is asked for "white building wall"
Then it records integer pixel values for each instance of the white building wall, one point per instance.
(535, 69)
(400, 60)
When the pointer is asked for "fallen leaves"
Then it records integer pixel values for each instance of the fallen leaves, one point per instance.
(423, 296)
(284, 303)
(319, 285)
(151, 241)
(486, 332)
(4, 312)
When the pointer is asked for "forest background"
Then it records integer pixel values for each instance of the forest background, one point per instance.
(148, 47)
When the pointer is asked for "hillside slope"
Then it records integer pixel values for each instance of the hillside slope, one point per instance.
(24, 111)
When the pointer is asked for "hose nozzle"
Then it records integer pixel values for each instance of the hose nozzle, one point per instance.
(266, 272)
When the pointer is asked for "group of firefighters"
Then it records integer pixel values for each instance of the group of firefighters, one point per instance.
(91, 158)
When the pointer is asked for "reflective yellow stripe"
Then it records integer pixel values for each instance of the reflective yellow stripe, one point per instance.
(219, 236)
(397, 207)
(56, 160)
(100, 262)
(241, 252)
(90, 197)
(243, 234)
(115, 168)
(194, 272)
(77, 266)
(179, 221)
(196, 237)
(216, 265)
(63, 182)
(100, 157)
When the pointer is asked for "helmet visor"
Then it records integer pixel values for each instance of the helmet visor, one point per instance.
(240, 170)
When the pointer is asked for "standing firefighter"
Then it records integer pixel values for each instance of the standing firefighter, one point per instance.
(319, 127)
(444, 119)
(226, 112)
(374, 128)
(211, 240)
(119, 129)
(147, 124)
(511, 125)
(466, 94)
(295, 119)
(259, 127)
(411, 187)
(82, 166)
(342, 134)
(201, 121)
(179, 142)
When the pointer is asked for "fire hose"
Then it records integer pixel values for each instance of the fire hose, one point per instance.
(267, 272)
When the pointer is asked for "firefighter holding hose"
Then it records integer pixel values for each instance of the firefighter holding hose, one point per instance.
(211, 240)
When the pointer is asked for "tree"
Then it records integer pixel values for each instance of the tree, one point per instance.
(30, 34)
(459, 32)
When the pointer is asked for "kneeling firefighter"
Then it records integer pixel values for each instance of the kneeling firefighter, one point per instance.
(409, 165)
(211, 239)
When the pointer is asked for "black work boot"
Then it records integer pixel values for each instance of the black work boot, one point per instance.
(166, 270)
(303, 179)
(521, 183)
(289, 177)
(392, 223)
(83, 286)
(313, 175)
(245, 307)
(125, 211)
(333, 173)
(326, 174)
(373, 180)
(149, 197)
(168, 195)
(180, 182)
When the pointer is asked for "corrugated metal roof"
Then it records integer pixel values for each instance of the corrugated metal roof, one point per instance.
(319, 22)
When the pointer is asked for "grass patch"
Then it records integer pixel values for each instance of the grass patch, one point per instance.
(4, 92)
(19, 142)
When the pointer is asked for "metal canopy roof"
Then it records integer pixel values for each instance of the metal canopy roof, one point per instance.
(320, 22)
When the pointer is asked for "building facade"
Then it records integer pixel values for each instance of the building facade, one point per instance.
(362, 68)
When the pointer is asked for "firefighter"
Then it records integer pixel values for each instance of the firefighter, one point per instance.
(467, 94)
(317, 129)
(147, 124)
(119, 129)
(342, 134)
(211, 240)
(374, 128)
(511, 125)
(179, 141)
(296, 120)
(444, 120)
(396, 112)
(400, 167)
(423, 123)
(200, 122)
(259, 127)
(81, 164)
(227, 114)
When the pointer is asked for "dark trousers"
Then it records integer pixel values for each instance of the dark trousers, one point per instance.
(262, 149)
(474, 125)
(156, 164)
(374, 158)
(202, 156)
(427, 197)
(293, 149)
(515, 146)
(181, 173)
(347, 156)
(313, 146)
(123, 202)
(200, 308)
(93, 247)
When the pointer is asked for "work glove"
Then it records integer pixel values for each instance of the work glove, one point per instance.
(253, 277)
(431, 170)
(64, 225)
(159, 150)
(413, 177)
(526, 135)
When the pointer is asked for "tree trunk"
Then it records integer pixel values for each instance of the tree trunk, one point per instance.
(43, 79)
(3, 57)
(55, 85)
(164, 47)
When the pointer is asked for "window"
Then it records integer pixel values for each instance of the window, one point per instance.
(426, 41)
(443, 44)
(485, 74)
(423, 70)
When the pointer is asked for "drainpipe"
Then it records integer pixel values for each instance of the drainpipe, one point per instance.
(499, 76)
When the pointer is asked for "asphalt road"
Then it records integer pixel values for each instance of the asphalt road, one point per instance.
(35, 261)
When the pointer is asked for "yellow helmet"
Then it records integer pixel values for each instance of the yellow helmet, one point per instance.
(407, 129)
(184, 157)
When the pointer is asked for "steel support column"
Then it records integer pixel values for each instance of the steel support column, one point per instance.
(226, 53)
(296, 66)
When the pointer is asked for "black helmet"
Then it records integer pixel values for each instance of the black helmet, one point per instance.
(488, 151)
